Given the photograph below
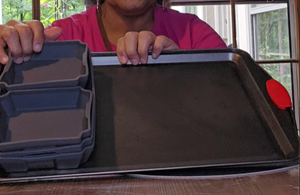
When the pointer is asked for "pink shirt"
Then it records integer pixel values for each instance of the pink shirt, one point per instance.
(186, 30)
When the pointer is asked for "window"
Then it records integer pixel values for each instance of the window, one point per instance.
(270, 32)
(16, 10)
(271, 41)
(50, 10)
(262, 30)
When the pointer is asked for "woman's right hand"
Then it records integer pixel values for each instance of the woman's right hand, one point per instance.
(23, 38)
(134, 46)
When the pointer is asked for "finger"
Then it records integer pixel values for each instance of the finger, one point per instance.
(121, 53)
(3, 55)
(38, 36)
(10, 36)
(145, 42)
(52, 34)
(162, 43)
(131, 44)
(28, 33)
(25, 36)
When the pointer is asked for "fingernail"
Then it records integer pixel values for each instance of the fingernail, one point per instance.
(18, 60)
(4, 60)
(154, 55)
(143, 61)
(134, 62)
(26, 58)
(37, 48)
(123, 60)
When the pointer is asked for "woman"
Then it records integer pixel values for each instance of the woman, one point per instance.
(129, 27)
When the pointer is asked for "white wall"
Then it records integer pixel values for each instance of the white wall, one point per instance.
(243, 27)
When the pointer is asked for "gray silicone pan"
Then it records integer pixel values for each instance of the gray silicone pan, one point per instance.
(57, 161)
(44, 118)
(50, 150)
(61, 149)
(59, 64)
(57, 149)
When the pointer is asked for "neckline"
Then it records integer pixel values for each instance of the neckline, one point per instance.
(102, 30)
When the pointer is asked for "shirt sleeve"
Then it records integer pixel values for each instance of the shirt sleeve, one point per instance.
(70, 29)
(186, 30)
(204, 36)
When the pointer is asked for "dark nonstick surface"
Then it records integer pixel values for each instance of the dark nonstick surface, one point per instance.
(178, 115)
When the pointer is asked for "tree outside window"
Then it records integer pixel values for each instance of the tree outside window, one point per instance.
(58, 9)
(20, 10)
(51, 10)
(272, 35)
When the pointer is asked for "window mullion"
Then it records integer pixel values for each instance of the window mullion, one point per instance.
(36, 10)
(233, 21)
(295, 53)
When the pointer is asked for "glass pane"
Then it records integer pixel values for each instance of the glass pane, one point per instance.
(52, 10)
(272, 35)
(281, 73)
(20, 10)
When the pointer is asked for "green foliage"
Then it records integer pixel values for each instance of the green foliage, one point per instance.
(273, 35)
(16, 10)
(51, 10)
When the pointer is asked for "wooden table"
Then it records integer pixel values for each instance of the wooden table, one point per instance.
(284, 182)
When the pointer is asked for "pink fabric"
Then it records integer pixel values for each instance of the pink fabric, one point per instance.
(186, 30)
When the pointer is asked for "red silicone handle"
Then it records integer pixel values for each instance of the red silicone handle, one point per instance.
(278, 94)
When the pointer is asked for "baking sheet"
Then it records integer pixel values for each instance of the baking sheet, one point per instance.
(194, 114)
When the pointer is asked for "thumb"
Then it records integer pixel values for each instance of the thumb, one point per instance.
(52, 34)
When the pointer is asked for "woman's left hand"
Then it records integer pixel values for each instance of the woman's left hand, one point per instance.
(134, 47)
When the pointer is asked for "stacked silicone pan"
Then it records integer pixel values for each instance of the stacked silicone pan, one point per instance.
(47, 109)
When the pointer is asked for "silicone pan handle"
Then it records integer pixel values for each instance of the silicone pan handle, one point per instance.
(278, 94)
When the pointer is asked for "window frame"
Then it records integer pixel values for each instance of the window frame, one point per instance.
(294, 14)
(36, 10)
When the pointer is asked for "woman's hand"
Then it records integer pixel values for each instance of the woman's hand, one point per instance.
(23, 38)
(134, 46)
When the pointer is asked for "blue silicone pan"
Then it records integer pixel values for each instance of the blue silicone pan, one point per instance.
(59, 64)
(44, 118)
